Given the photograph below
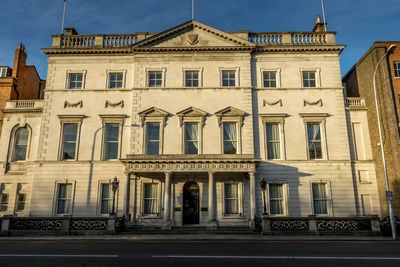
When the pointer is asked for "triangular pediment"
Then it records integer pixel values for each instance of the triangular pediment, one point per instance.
(230, 112)
(153, 112)
(191, 112)
(193, 34)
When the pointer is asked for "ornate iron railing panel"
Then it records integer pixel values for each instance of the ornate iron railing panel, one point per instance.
(36, 224)
(289, 225)
(88, 224)
(343, 225)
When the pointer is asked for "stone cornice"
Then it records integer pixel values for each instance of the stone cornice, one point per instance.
(22, 110)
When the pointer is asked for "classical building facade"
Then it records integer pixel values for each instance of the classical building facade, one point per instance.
(359, 83)
(191, 121)
(18, 82)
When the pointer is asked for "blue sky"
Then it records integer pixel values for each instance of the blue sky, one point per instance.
(358, 22)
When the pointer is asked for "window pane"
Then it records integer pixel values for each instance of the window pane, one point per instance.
(70, 132)
(106, 199)
(75, 80)
(273, 141)
(4, 202)
(396, 69)
(69, 151)
(21, 202)
(153, 131)
(320, 198)
(64, 199)
(269, 78)
(191, 138)
(230, 138)
(111, 141)
(112, 132)
(21, 136)
(314, 140)
(111, 150)
(231, 192)
(228, 78)
(155, 78)
(153, 148)
(150, 199)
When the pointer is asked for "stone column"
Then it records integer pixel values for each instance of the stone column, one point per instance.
(127, 196)
(211, 200)
(167, 201)
(252, 199)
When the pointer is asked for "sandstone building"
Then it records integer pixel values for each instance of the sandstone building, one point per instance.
(191, 120)
(359, 83)
(19, 82)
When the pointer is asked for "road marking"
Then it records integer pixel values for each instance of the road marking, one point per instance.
(277, 257)
(58, 256)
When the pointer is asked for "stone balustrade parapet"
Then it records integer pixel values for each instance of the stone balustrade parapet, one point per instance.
(258, 38)
(24, 104)
(355, 103)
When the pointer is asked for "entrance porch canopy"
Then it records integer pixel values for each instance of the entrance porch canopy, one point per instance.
(190, 163)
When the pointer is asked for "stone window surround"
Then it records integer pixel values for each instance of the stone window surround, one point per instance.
(12, 141)
(199, 70)
(108, 72)
(100, 183)
(235, 117)
(163, 76)
(274, 118)
(68, 72)
(69, 119)
(285, 197)
(142, 183)
(240, 196)
(237, 75)
(196, 116)
(396, 62)
(328, 197)
(112, 119)
(55, 195)
(321, 119)
(317, 71)
(21, 189)
(277, 75)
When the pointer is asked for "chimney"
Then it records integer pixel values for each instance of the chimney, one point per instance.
(19, 59)
(319, 26)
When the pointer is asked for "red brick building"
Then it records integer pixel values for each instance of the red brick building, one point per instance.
(359, 83)
(20, 82)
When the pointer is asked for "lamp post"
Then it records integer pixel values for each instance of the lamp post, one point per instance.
(115, 185)
(388, 192)
(263, 185)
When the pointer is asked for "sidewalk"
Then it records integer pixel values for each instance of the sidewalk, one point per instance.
(197, 237)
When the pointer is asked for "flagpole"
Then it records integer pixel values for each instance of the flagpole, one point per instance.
(62, 24)
(323, 13)
(192, 9)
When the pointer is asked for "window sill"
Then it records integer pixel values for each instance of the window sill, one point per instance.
(233, 216)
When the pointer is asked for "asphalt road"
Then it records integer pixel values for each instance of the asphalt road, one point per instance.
(198, 253)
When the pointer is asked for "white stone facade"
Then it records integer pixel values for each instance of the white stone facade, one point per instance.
(345, 166)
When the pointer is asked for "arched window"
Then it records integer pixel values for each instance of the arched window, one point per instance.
(20, 144)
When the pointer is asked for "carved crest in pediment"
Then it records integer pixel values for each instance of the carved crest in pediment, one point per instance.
(193, 38)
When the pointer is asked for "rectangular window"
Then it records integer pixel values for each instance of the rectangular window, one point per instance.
(155, 78)
(230, 138)
(3, 72)
(150, 200)
(396, 66)
(64, 199)
(106, 199)
(231, 198)
(21, 198)
(111, 142)
(4, 202)
(75, 81)
(191, 78)
(228, 78)
(153, 138)
(273, 141)
(269, 78)
(191, 138)
(70, 131)
(320, 199)
(115, 80)
(276, 199)
(309, 79)
(314, 141)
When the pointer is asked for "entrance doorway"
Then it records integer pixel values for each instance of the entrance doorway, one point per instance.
(191, 203)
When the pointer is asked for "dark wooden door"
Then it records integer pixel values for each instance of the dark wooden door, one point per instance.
(191, 203)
